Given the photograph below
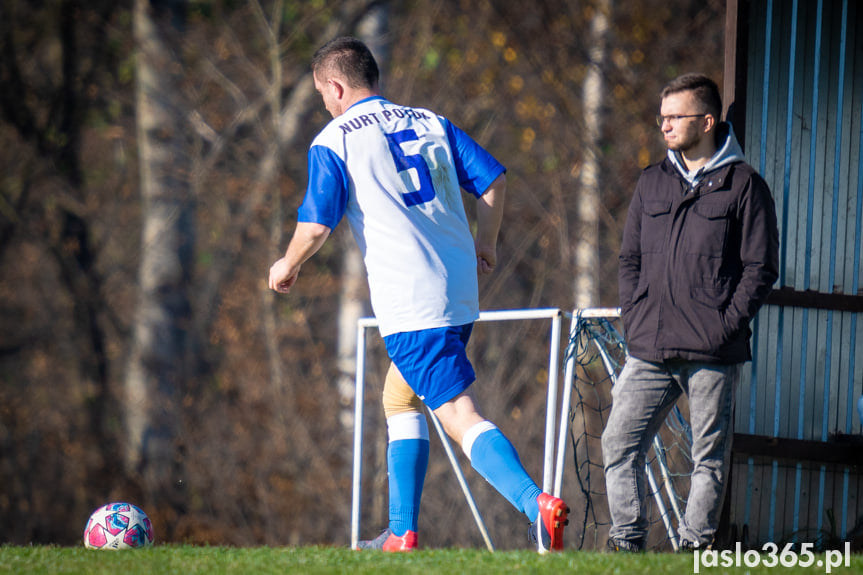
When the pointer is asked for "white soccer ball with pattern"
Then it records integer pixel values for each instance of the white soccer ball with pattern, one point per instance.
(118, 526)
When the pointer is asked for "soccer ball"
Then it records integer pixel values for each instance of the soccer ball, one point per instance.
(118, 526)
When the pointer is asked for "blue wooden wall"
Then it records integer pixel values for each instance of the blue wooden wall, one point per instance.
(803, 131)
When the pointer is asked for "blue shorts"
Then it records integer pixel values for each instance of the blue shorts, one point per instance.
(433, 362)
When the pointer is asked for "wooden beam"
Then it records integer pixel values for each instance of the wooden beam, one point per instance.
(840, 449)
(816, 300)
(736, 64)
(730, 68)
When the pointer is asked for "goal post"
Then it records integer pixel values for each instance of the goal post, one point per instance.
(554, 315)
(570, 358)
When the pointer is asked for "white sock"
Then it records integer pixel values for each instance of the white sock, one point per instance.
(474, 432)
(409, 425)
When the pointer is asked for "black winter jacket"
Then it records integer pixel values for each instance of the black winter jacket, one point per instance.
(696, 264)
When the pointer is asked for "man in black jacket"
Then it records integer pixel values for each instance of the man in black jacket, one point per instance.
(699, 255)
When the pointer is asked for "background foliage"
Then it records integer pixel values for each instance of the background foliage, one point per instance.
(262, 456)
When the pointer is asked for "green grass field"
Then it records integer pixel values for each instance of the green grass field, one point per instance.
(187, 560)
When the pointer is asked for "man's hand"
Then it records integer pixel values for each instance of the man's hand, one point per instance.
(486, 259)
(282, 276)
(489, 214)
(308, 239)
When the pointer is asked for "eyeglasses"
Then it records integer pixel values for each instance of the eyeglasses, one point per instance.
(674, 118)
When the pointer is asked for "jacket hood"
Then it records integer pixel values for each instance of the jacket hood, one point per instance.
(729, 152)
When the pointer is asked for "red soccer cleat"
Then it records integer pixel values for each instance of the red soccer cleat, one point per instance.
(553, 517)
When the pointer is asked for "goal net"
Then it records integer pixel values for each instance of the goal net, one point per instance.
(593, 358)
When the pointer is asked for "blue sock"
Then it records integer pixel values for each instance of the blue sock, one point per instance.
(407, 461)
(494, 457)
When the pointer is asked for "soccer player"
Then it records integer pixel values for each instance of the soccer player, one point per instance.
(699, 255)
(397, 172)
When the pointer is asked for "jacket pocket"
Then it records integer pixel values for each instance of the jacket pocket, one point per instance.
(711, 300)
(640, 292)
(654, 225)
(713, 292)
(633, 315)
(707, 228)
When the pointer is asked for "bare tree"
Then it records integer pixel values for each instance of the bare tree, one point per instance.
(157, 363)
(587, 275)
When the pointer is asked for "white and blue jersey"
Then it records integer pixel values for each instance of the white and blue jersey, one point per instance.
(396, 172)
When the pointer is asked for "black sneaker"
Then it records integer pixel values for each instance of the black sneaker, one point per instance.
(687, 546)
(624, 546)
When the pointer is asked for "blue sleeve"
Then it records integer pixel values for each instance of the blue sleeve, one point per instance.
(476, 168)
(327, 192)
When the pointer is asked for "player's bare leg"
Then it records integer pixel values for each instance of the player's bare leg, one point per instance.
(494, 457)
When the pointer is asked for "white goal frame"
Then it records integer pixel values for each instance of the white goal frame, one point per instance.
(556, 316)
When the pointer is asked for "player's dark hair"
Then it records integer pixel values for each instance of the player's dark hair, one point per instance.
(351, 58)
(703, 89)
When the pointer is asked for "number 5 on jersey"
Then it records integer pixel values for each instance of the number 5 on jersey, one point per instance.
(405, 162)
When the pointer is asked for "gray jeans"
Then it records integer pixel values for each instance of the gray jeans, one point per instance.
(642, 397)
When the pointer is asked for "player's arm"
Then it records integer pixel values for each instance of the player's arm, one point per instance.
(306, 241)
(489, 215)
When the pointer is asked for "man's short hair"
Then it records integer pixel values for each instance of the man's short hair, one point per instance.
(703, 89)
(348, 57)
